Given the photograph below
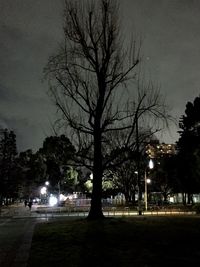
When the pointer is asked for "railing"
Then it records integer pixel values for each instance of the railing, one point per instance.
(109, 211)
(82, 211)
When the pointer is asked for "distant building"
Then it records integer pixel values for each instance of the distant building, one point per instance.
(157, 150)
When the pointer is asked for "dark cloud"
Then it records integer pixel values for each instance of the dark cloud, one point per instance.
(171, 42)
(30, 31)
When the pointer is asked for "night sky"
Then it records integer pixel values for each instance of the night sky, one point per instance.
(30, 31)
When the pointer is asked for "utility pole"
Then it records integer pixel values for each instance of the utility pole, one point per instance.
(146, 182)
(146, 193)
(138, 167)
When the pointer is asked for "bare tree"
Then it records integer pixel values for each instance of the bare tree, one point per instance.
(90, 83)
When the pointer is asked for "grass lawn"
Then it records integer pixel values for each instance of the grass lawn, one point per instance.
(136, 241)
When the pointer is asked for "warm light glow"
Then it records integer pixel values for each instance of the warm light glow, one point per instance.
(47, 183)
(62, 197)
(148, 181)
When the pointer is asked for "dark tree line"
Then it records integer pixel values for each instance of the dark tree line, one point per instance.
(22, 174)
(188, 157)
(176, 173)
(8, 153)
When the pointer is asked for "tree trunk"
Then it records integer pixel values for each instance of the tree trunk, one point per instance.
(127, 198)
(133, 197)
(184, 198)
(96, 204)
(165, 196)
(190, 198)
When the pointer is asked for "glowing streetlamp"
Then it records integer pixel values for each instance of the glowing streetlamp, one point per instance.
(147, 181)
(53, 200)
(43, 190)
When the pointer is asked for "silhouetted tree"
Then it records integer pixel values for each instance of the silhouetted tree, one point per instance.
(58, 148)
(89, 79)
(163, 176)
(8, 152)
(58, 154)
(189, 149)
(32, 173)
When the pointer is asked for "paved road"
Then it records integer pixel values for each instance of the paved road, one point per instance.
(15, 241)
(17, 225)
(16, 229)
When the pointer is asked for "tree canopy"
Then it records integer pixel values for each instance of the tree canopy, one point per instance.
(189, 148)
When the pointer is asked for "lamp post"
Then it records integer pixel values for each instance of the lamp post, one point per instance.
(59, 192)
(43, 193)
(147, 181)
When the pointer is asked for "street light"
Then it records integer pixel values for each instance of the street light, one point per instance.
(147, 181)
(43, 190)
(43, 193)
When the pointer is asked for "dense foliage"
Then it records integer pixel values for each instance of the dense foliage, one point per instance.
(8, 152)
(189, 149)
